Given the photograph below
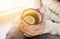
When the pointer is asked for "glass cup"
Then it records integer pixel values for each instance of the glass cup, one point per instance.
(31, 16)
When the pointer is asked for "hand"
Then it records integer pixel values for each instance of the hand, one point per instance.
(33, 30)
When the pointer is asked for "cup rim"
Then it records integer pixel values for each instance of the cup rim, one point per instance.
(39, 13)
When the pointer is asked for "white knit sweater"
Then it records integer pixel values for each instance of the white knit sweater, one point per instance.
(51, 8)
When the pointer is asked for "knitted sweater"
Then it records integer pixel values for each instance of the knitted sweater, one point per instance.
(51, 8)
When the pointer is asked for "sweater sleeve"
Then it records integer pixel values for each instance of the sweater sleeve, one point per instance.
(52, 28)
(54, 5)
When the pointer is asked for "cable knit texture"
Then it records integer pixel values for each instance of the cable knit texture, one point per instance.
(51, 8)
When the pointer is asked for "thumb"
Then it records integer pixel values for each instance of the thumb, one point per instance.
(43, 17)
(38, 9)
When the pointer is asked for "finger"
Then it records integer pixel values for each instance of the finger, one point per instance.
(27, 35)
(27, 30)
(32, 34)
(38, 9)
(34, 27)
(21, 26)
(43, 18)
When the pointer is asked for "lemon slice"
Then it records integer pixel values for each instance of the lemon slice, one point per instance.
(29, 19)
(32, 16)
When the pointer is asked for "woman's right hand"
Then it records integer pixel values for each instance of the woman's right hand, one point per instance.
(33, 30)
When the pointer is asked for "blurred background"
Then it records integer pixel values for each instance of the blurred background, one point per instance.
(9, 9)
